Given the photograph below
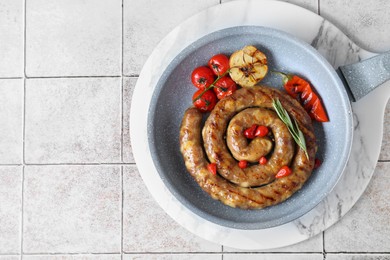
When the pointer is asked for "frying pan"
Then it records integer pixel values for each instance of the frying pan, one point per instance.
(172, 94)
(285, 53)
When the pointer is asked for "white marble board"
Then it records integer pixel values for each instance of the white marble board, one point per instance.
(337, 49)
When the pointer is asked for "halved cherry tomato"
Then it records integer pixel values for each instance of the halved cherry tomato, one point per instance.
(224, 87)
(206, 102)
(301, 90)
(202, 77)
(219, 64)
(250, 132)
(283, 172)
(242, 164)
(263, 160)
(212, 167)
(261, 131)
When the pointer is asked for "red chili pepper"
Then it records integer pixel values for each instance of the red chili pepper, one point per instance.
(212, 167)
(263, 160)
(317, 163)
(301, 90)
(261, 131)
(250, 132)
(283, 172)
(242, 164)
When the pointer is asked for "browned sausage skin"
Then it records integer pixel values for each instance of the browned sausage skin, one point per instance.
(239, 187)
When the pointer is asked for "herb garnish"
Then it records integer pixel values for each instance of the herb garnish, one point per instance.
(293, 128)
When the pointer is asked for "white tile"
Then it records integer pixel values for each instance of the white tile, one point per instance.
(172, 257)
(11, 35)
(72, 209)
(10, 257)
(147, 24)
(11, 118)
(128, 88)
(311, 5)
(73, 38)
(10, 209)
(365, 228)
(312, 245)
(343, 256)
(273, 256)
(367, 23)
(147, 228)
(73, 120)
(73, 257)
(385, 149)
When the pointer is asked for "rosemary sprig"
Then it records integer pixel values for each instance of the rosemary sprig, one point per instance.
(293, 128)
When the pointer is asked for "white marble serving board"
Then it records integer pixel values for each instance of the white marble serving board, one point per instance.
(336, 48)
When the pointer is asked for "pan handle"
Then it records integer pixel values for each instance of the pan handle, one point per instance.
(363, 77)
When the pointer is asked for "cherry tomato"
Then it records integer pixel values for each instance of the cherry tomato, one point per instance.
(224, 87)
(212, 167)
(202, 77)
(206, 102)
(261, 131)
(242, 164)
(219, 64)
(263, 160)
(283, 172)
(250, 132)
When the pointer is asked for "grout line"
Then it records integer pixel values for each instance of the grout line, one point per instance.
(25, 38)
(63, 253)
(123, 38)
(11, 77)
(10, 164)
(77, 164)
(131, 76)
(318, 7)
(323, 252)
(72, 77)
(384, 161)
(323, 244)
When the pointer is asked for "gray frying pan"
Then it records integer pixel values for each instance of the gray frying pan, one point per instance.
(173, 93)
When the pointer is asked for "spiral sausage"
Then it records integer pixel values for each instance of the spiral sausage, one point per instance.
(254, 186)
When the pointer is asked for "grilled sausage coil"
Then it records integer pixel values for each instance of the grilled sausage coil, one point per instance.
(224, 144)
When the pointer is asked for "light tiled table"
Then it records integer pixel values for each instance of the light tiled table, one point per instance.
(69, 188)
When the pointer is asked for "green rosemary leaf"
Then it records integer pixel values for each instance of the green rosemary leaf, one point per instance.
(293, 128)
